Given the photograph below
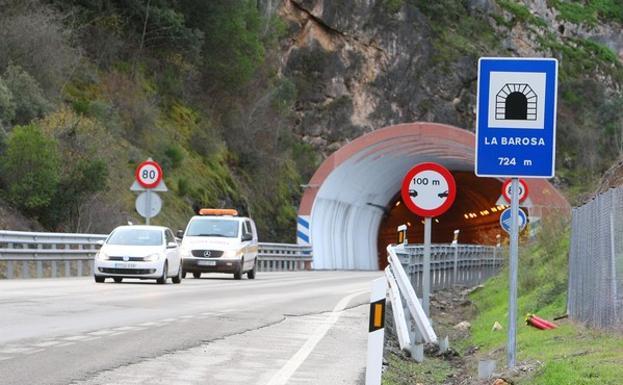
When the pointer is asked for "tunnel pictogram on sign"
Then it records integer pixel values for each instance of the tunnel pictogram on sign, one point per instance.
(516, 101)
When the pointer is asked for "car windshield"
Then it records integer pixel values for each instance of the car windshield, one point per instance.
(136, 237)
(213, 227)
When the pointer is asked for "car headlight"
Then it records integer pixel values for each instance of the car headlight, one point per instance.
(101, 256)
(152, 257)
(231, 254)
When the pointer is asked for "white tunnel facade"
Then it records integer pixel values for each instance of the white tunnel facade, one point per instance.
(357, 186)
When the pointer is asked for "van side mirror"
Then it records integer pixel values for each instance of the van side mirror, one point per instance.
(171, 245)
(180, 234)
(247, 237)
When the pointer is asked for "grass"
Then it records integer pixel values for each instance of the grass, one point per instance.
(571, 354)
(407, 372)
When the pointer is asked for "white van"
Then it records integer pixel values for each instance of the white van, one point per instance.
(218, 240)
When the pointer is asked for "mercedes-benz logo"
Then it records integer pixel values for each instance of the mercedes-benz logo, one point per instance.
(207, 253)
(125, 258)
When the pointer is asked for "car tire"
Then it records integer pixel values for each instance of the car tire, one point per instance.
(238, 274)
(183, 273)
(99, 279)
(197, 274)
(165, 270)
(251, 273)
(118, 279)
(178, 277)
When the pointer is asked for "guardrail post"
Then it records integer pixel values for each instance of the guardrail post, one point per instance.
(54, 263)
(25, 269)
(9, 269)
(67, 269)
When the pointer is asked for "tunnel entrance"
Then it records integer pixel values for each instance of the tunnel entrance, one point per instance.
(474, 213)
(351, 206)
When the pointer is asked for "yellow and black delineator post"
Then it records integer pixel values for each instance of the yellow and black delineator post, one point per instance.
(402, 234)
(377, 315)
(376, 335)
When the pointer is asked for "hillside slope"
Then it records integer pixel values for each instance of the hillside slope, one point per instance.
(240, 100)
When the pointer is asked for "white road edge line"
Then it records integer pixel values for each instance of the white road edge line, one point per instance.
(287, 370)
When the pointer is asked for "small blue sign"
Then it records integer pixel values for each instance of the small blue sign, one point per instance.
(516, 117)
(505, 220)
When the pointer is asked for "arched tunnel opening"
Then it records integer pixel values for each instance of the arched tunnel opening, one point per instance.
(474, 213)
(351, 208)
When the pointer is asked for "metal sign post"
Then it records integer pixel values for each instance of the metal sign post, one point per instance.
(512, 271)
(428, 190)
(148, 207)
(426, 277)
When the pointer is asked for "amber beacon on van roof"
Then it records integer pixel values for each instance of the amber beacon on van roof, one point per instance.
(219, 212)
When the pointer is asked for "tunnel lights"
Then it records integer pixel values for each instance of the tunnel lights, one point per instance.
(466, 216)
(494, 209)
(409, 224)
(436, 220)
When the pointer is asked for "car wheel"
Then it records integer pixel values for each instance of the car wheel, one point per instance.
(197, 274)
(251, 273)
(183, 273)
(165, 270)
(118, 279)
(238, 274)
(178, 277)
(99, 279)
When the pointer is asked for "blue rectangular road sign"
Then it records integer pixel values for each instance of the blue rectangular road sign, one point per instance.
(516, 117)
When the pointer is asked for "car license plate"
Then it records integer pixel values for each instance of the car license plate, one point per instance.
(206, 263)
(125, 265)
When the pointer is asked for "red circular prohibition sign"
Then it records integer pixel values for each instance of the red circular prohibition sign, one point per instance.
(156, 181)
(428, 166)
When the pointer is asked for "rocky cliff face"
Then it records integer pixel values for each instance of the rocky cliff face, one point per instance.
(360, 65)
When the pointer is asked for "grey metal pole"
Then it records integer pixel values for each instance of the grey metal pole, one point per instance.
(426, 267)
(513, 267)
(148, 207)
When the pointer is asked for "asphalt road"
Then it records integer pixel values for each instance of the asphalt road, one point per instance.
(281, 328)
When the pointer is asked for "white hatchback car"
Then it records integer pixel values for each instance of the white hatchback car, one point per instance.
(144, 252)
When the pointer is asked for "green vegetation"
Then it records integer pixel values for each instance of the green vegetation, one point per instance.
(30, 169)
(570, 354)
(101, 86)
(408, 373)
(521, 13)
(589, 12)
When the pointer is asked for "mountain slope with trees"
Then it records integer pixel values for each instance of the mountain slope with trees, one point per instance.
(240, 100)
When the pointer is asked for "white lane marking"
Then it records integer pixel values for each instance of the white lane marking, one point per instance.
(147, 324)
(127, 328)
(17, 350)
(5, 358)
(101, 333)
(65, 344)
(168, 320)
(47, 343)
(287, 370)
(76, 338)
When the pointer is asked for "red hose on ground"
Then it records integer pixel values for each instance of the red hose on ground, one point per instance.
(539, 322)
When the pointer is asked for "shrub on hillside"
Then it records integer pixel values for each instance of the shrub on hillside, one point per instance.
(33, 36)
(7, 105)
(30, 103)
(30, 169)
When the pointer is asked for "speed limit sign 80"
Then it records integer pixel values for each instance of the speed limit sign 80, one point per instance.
(148, 174)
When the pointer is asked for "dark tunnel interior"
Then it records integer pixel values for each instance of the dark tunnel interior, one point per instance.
(474, 213)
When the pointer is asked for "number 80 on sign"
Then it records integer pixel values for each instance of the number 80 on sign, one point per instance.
(148, 174)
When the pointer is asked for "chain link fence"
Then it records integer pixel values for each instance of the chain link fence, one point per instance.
(596, 261)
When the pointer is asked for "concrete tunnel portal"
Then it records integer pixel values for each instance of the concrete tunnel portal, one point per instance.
(351, 207)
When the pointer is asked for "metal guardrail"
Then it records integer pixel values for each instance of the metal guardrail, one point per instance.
(38, 255)
(451, 265)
